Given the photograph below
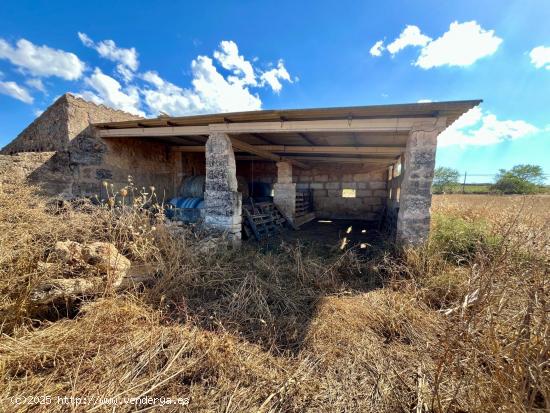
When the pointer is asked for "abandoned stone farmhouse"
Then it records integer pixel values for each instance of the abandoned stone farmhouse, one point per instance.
(369, 163)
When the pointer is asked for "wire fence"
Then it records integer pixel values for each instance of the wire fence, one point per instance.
(478, 183)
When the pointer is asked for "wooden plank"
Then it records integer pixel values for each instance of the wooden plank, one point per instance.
(264, 154)
(329, 150)
(337, 159)
(334, 125)
(329, 125)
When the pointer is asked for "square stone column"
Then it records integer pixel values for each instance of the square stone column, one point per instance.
(285, 190)
(413, 221)
(223, 203)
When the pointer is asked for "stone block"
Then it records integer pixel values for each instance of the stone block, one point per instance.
(373, 200)
(317, 185)
(377, 184)
(364, 192)
(222, 203)
(320, 178)
(361, 177)
(380, 192)
(333, 185)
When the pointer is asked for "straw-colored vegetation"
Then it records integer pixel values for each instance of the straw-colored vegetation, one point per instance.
(460, 325)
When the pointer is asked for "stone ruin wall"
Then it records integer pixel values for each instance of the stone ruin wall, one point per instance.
(59, 152)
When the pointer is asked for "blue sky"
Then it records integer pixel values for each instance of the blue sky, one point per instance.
(195, 57)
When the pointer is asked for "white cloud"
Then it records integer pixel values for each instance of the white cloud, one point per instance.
(480, 128)
(127, 59)
(37, 84)
(15, 91)
(218, 94)
(271, 77)
(424, 101)
(377, 48)
(229, 58)
(462, 45)
(109, 91)
(209, 92)
(540, 57)
(42, 61)
(168, 98)
(410, 36)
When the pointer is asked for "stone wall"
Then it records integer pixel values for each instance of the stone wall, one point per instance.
(73, 162)
(328, 181)
(55, 177)
(59, 124)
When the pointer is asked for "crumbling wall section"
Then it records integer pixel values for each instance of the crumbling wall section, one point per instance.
(75, 162)
(54, 178)
(47, 133)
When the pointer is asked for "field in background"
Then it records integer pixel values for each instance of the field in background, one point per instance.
(459, 325)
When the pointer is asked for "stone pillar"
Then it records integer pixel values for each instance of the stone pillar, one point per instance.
(285, 190)
(413, 221)
(223, 203)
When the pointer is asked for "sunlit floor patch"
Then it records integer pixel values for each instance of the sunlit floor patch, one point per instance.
(344, 243)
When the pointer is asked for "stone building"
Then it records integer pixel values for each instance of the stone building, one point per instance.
(371, 163)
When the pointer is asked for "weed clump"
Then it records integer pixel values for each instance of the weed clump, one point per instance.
(457, 325)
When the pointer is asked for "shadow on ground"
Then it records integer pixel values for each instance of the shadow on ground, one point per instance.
(268, 293)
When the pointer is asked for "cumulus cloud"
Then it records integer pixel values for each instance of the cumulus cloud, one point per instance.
(540, 57)
(410, 36)
(462, 45)
(271, 77)
(424, 101)
(377, 48)
(109, 91)
(127, 59)
(164, 96)
(218, 94)
(229, 58)
(477, 127)
(211, 90)
(15, 91)
(42, 61)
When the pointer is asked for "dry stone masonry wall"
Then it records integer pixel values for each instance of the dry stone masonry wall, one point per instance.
(327, 183)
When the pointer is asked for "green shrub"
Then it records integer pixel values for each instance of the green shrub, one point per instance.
(459, 239)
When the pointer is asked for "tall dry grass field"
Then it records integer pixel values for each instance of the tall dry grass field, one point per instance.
(459, 325)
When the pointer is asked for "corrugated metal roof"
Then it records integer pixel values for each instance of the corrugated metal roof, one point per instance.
(452, 110)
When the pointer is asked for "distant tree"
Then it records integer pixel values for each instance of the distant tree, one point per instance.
(521, 179)
(445, 179)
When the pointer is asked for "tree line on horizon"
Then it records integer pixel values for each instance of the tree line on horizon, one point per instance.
(521, 179)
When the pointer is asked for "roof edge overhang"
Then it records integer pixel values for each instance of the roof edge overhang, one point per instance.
(451, 110)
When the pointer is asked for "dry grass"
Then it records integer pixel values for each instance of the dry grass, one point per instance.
(459, 325)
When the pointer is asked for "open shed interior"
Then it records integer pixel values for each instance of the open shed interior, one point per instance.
(291, 167)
